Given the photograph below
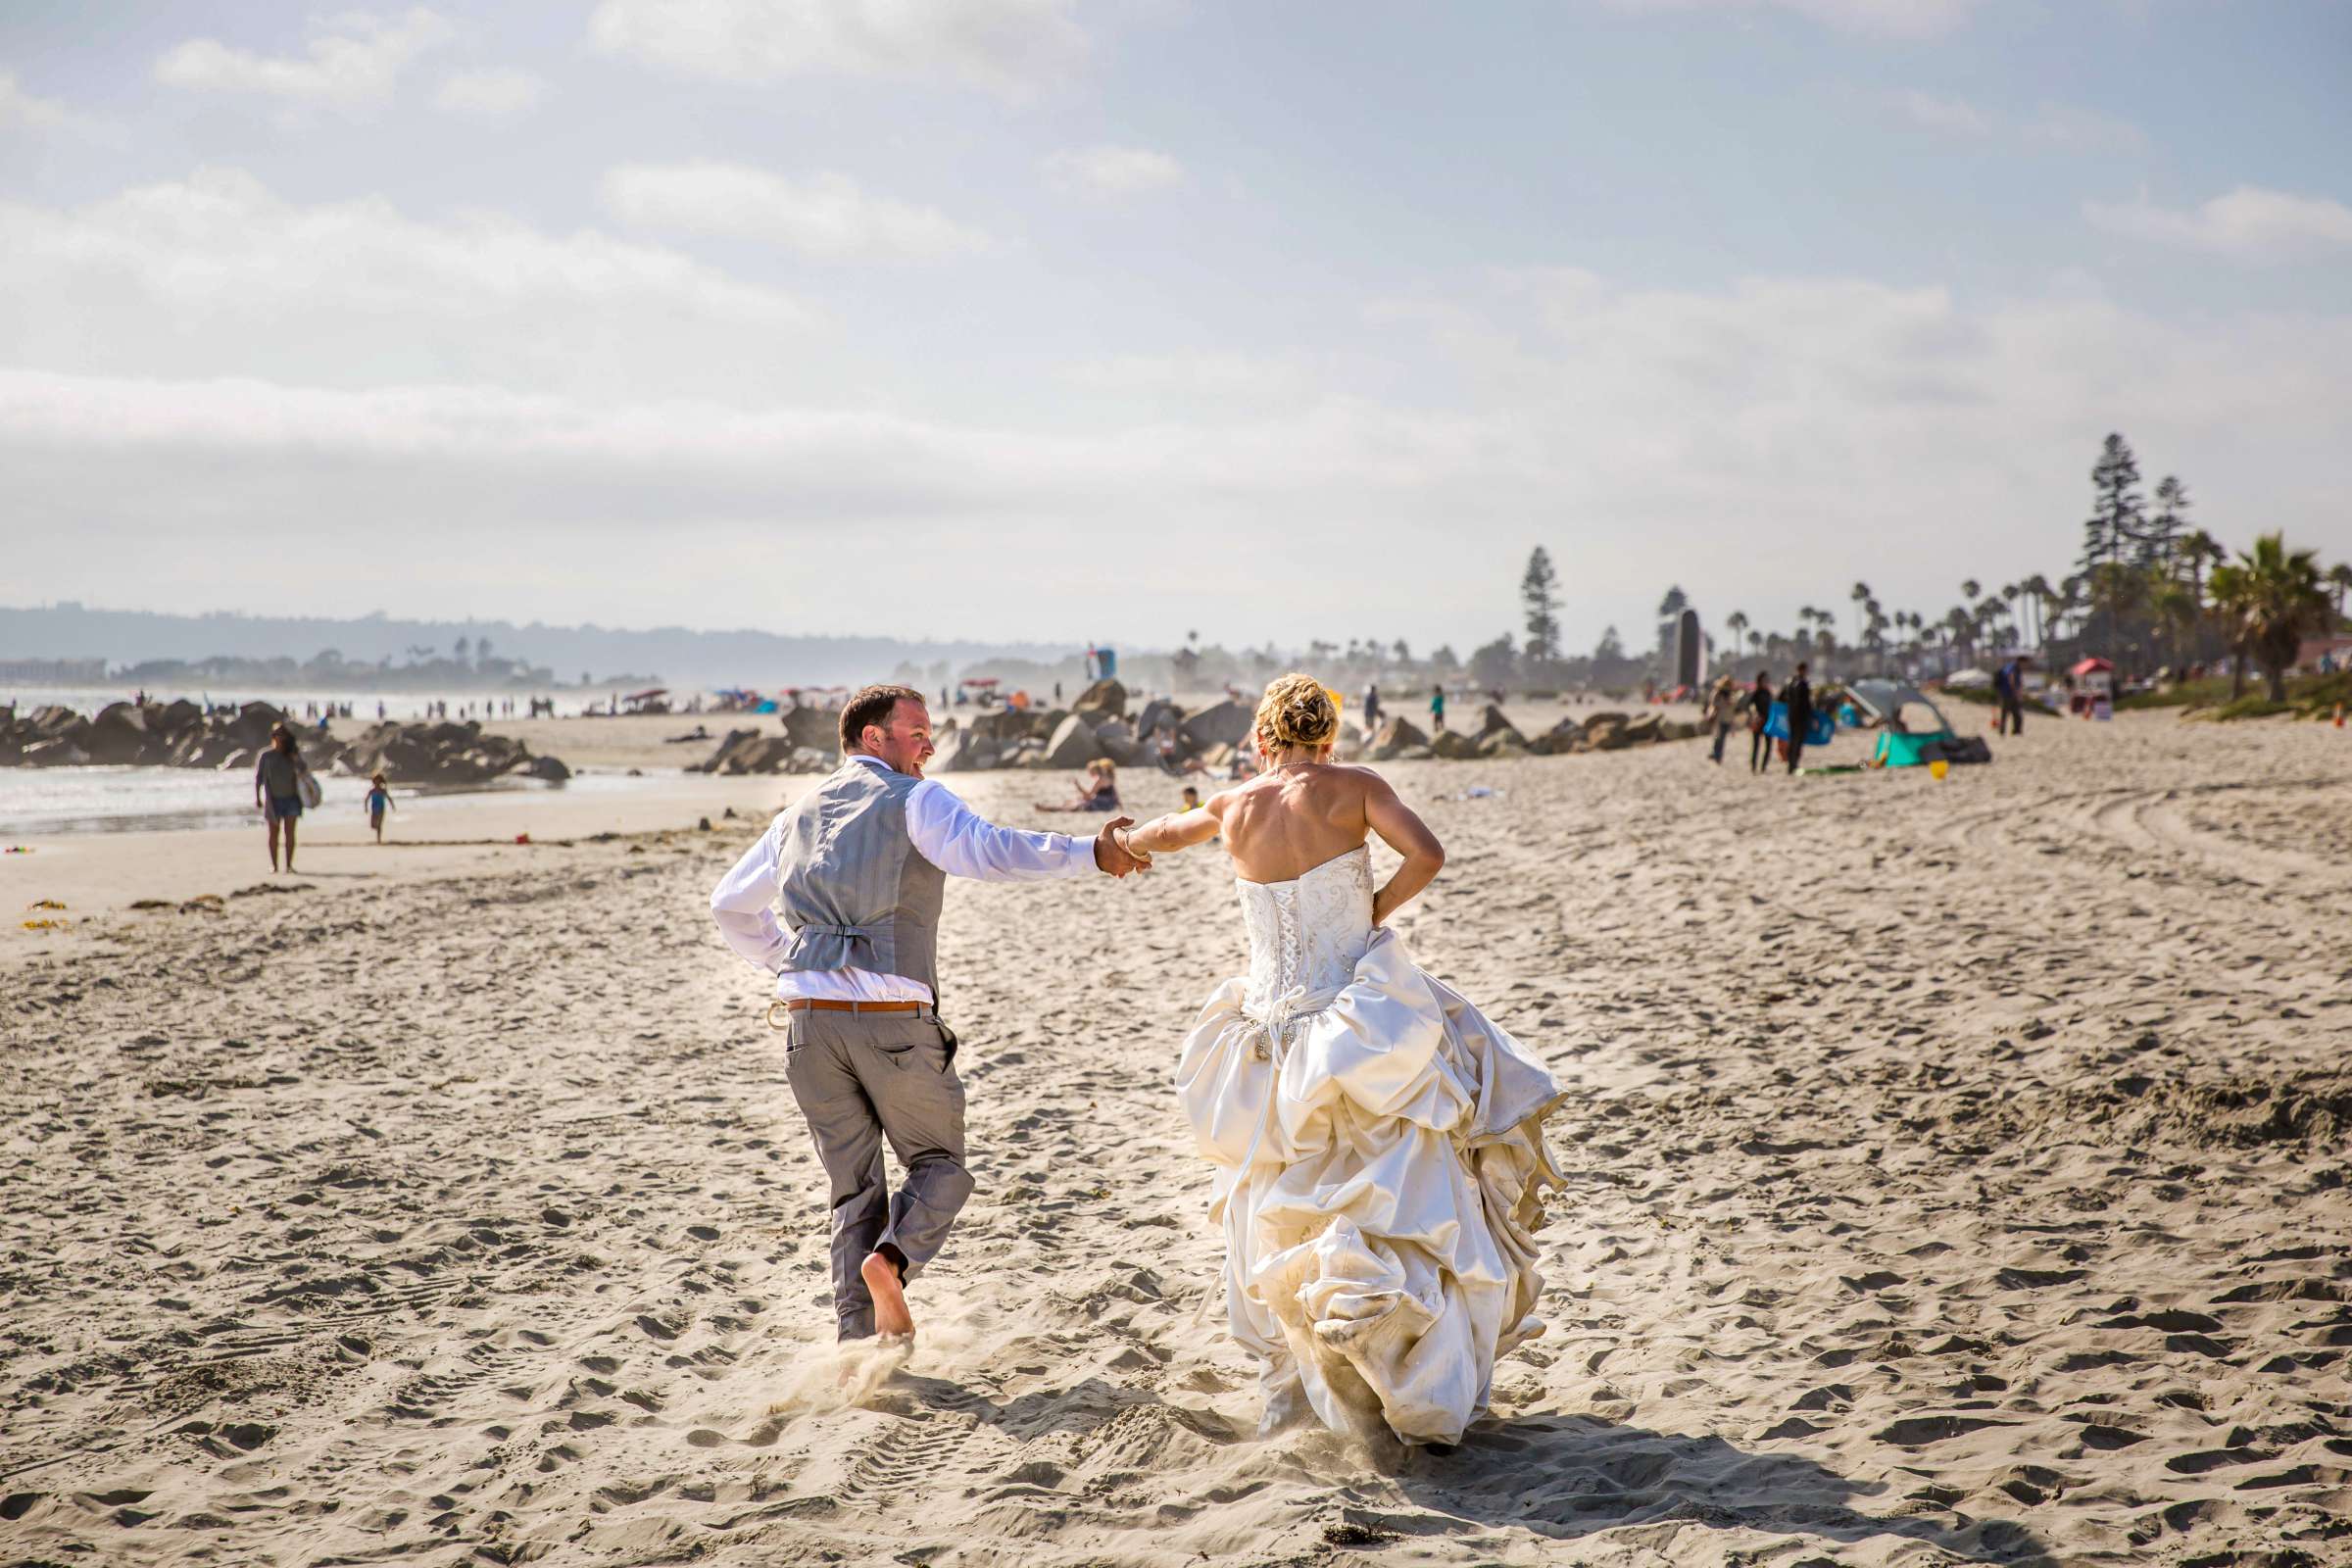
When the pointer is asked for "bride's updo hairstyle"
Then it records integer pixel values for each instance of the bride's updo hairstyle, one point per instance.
(1297, 712)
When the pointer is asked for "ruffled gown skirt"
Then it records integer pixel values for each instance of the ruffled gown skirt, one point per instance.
(1379, 1171)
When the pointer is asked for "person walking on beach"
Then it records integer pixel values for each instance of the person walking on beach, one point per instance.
(277, 790)
(1797, 695)
(2009, 685)
(1720, 702)
(1372, 708)
(859, 865)
(1759, 714)
(379, 801)
(1437, 706)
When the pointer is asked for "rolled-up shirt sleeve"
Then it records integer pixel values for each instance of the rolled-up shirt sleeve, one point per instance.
(744, 903)
(960, 842)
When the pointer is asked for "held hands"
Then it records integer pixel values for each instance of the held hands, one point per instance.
(1111, 853)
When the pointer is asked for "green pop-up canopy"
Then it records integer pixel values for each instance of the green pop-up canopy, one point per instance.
(1912, 730)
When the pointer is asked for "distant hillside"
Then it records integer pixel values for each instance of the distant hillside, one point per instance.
(673, 654)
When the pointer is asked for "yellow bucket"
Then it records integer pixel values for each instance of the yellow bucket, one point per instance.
(1938, 767)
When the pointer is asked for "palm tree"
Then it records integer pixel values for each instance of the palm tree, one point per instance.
(2339, 578)
(2269, 600)
(2178, 607)
(1959, 628)
(1860, 595)
(2038, 597)
(1737, 625)
(1969, 590)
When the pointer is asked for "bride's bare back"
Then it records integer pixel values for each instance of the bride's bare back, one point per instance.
(1285, 822)
(1293, 817)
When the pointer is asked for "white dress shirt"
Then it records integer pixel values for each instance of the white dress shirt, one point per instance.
(945, 831)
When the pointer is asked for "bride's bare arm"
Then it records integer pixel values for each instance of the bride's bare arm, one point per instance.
(1178, 830)
(1405, 833)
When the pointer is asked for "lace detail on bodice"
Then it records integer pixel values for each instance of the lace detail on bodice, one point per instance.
(1306, 934)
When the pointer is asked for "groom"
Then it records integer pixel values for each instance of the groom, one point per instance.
(859, 865)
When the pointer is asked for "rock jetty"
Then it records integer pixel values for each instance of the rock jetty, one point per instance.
(1101, 724)
(181, 734)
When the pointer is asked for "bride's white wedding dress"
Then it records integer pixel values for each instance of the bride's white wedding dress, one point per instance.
(1380, 1164)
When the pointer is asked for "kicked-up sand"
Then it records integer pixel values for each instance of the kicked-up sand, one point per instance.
(1957, 1173)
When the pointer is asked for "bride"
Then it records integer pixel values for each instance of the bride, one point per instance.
(1377, 1143)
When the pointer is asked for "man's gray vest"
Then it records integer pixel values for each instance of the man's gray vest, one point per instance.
(855, 892)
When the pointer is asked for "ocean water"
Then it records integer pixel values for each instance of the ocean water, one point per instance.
(125, 800)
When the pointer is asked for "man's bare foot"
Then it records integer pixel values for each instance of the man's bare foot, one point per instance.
(892, 1320)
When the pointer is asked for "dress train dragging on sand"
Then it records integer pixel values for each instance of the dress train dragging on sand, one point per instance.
(1380, 1164)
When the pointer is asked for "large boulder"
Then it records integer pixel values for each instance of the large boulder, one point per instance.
(1043, 722)
(1074, 744)
(1643, 730)
(1501, 743)
(818, 728)
(736, 744)
(1565, 736)
(58, 751)
(1225, 723)
(550, 768)
(1453, 746)
(179, 715)
(964, 751)
(1158, 714)
(1490, 722)
(254, 721)
(1104, 698)
(117, 736)
(1122, 743)
(1396, 738)
(1002, 725)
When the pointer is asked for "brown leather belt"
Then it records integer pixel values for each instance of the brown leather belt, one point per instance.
(820, 1005)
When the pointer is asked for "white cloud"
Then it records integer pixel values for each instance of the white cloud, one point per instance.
(2248, 224)
(491, 94)
(1004, 45)
(353, 61)
(216, 275)
(1893, 19)
(20, 108)
(1110, 170)
(2057, 127)
(1634, 430)
(2083, 131)
(1934, 112)
(825, 216)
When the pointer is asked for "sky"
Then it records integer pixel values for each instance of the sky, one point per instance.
(1123, 321)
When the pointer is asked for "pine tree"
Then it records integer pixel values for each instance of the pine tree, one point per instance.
(1542, 604)
(2159, 542)
(2114, 515)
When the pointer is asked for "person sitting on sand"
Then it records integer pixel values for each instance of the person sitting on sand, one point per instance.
(1098, 791)
(278, 789)
(379, 801)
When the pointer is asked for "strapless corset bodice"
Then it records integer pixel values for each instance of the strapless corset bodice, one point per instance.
(1306, 934)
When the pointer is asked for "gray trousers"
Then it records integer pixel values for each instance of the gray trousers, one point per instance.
(862, 1078)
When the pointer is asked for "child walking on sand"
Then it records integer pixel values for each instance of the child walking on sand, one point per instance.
(379, 801)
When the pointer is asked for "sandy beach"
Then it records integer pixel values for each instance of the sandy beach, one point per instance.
(1957, 1173)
